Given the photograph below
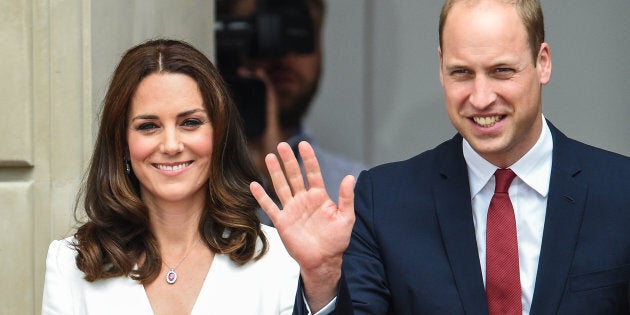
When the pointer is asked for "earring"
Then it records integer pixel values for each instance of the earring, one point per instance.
(226, 232)
(127, 167)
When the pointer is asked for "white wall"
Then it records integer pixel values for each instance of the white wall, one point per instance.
(381, 99)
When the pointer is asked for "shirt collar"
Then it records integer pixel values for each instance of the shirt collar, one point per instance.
(534, 168)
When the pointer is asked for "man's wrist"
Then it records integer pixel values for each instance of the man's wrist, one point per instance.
(321, 285)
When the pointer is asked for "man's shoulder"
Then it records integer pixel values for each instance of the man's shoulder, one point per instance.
(428, 160)
(588, 155)
(566, 148)
(605, 173)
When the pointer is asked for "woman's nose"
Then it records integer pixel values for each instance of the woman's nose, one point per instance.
(171, 143)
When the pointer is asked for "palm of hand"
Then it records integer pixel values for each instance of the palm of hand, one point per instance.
(313, 228)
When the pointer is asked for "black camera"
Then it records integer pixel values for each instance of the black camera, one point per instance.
(274, 29)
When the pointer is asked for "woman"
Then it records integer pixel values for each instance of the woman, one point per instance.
(171, 226)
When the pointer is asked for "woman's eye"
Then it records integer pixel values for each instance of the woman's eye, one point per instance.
(147, 126)
(192, 122)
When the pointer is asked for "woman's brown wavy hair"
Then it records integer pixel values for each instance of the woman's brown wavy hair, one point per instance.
(116, 234)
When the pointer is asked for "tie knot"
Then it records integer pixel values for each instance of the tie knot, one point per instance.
(504, 177)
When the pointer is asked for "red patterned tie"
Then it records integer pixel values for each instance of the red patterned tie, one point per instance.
(503, 283)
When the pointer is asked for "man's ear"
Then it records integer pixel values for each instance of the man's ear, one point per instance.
(543, 63)
(441, 66)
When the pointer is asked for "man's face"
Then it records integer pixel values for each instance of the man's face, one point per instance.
(295, 77)
(492, 87)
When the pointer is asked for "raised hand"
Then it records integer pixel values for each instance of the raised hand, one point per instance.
(314, 229)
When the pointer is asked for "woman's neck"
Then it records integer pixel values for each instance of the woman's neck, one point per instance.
(176, 224)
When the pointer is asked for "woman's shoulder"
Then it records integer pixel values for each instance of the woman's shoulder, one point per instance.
(276, 254)
(275, 259)
(62, 255)
(63, 249)
(62, 279)
(276, 247)
(271, 233)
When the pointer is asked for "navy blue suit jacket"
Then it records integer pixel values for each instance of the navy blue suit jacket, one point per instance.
(413, 247)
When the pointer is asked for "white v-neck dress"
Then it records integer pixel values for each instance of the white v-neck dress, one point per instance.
(266, 286)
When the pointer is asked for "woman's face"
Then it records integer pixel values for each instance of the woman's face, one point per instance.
(169, 138)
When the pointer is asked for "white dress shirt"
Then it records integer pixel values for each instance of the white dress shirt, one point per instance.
(528, 194)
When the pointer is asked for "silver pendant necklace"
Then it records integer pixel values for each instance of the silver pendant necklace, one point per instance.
(171, 275)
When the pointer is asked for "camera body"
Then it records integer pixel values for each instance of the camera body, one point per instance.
(274, 29)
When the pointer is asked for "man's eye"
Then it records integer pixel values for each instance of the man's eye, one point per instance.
(460, 72)
(192, 122)
(504, 71)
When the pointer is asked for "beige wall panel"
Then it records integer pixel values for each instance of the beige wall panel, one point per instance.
(66, 89)
(15, 85)
(40, 29)
(68, 60)
(16, 248)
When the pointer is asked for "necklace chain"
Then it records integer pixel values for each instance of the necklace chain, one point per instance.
(171, 275)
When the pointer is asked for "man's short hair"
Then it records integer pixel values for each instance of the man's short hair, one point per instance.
(531, 15)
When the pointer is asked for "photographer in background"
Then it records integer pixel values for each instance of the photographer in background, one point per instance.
(290, 72)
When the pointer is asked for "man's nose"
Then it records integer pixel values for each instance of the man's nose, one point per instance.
(483, 94)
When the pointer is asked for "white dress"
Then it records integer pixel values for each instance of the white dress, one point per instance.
(266, 286)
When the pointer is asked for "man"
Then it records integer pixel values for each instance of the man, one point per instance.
(291, 82)
(426, 239)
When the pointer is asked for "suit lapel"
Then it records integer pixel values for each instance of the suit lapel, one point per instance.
(565, 208)
(454, 213)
